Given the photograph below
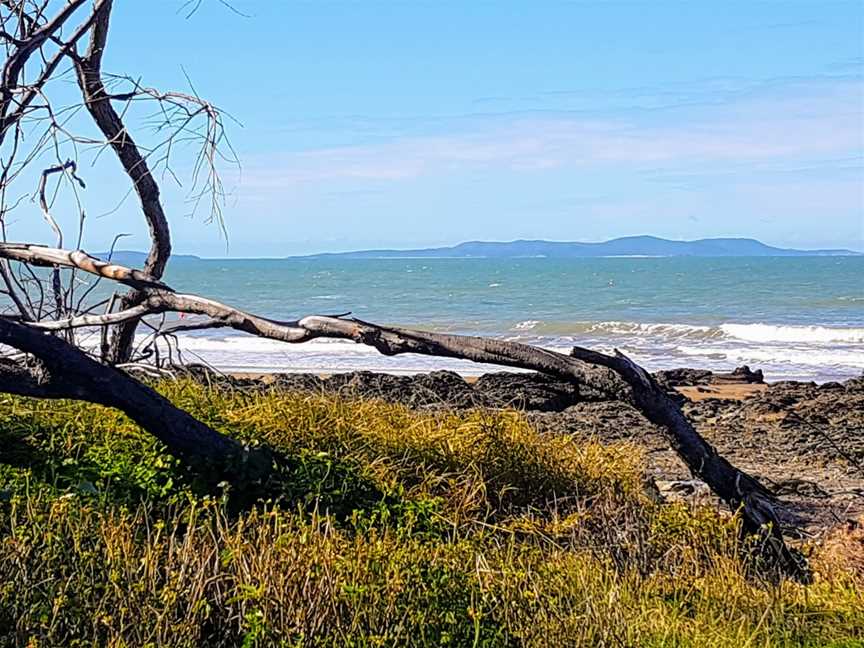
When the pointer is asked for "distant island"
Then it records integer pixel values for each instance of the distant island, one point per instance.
(629, 246)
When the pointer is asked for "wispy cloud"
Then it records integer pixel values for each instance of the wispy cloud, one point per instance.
(783, 122)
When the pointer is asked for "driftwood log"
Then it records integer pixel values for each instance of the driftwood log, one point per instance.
(73, 375)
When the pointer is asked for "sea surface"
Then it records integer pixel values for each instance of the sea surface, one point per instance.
(794, 318)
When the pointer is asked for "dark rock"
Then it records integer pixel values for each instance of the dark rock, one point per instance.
(367, 384)
(748, 375)
(855, 384)
(298, 382)
(740, 375)
(793, 385)
(445, 388)
(669, 378)
(829, 386)
(442, 388)
(209, 376)
(528, 391)
(601, 421)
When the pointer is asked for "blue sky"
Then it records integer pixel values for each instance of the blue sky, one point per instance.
(403, 124)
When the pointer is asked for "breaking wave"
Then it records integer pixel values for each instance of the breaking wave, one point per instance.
(744, 332)
(615, 328)
(771, 333)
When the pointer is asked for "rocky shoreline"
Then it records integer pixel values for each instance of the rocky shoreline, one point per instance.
(805, 441)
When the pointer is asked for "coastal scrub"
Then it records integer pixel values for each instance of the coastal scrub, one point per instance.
(386, 527)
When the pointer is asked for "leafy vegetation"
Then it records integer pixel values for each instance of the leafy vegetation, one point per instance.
(385, 527)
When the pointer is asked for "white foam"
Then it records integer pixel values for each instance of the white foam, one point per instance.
(250, 344)
(799, 355)
(784, 333)
(653, 329)
(739, 331)
(249, 353)
(527, 325)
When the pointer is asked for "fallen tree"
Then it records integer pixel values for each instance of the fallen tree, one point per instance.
(615, 375)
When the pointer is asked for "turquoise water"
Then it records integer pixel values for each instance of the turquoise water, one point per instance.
(797, 318)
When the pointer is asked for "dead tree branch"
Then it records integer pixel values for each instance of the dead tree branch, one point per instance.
(43, 256)
(615, 375)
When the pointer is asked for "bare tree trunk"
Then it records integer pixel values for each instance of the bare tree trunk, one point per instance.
(98, 103)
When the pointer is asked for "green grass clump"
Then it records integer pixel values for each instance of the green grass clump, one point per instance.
(388, 528)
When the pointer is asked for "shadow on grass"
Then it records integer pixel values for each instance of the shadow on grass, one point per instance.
(306, 480)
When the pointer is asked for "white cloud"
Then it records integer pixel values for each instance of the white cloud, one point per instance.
(791, 121)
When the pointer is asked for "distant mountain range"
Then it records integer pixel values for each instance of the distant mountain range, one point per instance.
(629, 246)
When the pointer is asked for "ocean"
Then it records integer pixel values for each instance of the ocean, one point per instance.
(796, 318)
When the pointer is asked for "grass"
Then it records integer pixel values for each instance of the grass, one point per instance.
(391, 528)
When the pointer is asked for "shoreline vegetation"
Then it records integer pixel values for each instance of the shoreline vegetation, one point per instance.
(512, 510)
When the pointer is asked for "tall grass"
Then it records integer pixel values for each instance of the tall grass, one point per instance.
(391, 528)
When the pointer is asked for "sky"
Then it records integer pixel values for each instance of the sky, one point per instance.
(408, 124)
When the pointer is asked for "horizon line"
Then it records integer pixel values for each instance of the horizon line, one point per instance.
(853, 251)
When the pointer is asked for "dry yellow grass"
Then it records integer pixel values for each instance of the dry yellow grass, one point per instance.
(387, 527)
